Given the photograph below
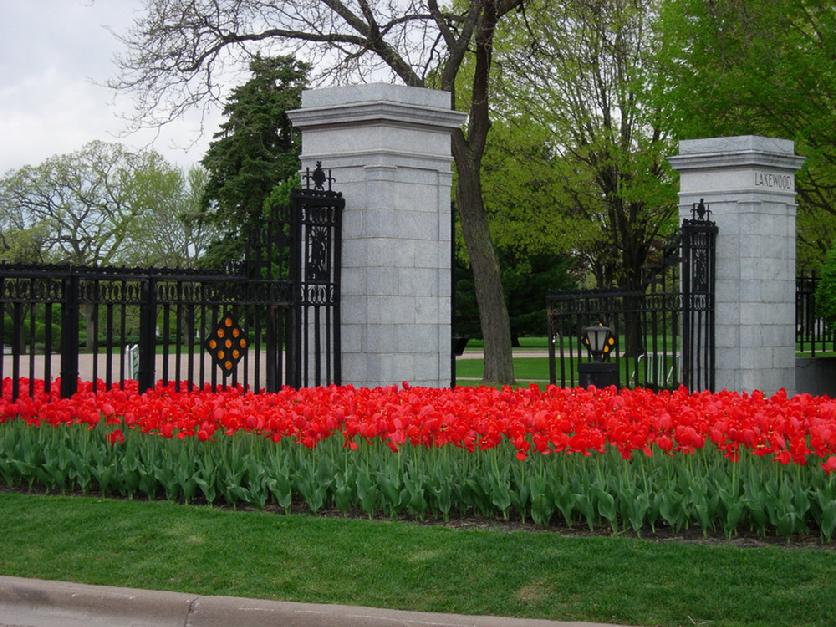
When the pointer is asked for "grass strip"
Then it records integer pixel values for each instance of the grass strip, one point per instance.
(525, 368)
(161, 545)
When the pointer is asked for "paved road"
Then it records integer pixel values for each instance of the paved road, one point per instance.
(85, 366)
(38, 603)
(517, 353)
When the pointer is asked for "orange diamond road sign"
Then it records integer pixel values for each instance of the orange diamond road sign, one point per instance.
(227, 343)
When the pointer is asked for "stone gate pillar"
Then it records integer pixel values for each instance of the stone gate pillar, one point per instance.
(388, 147)
(749, 184)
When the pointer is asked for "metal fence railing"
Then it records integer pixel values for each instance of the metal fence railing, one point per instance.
(271, 318)
(664, 333)
(109, 325)
(813, 334)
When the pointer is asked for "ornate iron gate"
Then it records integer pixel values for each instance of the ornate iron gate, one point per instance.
(672, 318)
(268, 321)
(318, 225)
(698, 236)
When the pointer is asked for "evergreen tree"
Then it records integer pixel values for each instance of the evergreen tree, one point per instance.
(255, 150)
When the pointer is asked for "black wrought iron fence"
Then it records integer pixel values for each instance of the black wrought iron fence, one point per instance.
(109, 325)
(813, 334)
(270, 320)
(664, 333)
(654, 319)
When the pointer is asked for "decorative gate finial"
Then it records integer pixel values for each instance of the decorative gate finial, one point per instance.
(318, 177)
(700, 211)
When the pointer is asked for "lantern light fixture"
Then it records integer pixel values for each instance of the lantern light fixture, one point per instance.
(599, 341)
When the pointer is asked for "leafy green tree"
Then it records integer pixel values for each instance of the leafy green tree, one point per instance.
(585, 72)
(525, 281)
(255, 149)
(522, 198)
(168, 224)
(20, 241)
(523, 195)
(83, 201)
(536, 200)
(760, 67)
(101, 205)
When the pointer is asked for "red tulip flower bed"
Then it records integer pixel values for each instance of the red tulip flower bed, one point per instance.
(632, 459)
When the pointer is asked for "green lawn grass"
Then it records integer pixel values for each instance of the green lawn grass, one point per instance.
(525, 368)
(161, 545)
(541, 343)
(526, 343)
(518, 383)
(536, 369)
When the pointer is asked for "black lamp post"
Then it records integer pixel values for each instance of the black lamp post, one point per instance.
(600, 342)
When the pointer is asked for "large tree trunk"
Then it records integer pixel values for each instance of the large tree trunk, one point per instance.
(633, 332)
(467, 152)
(493, 312)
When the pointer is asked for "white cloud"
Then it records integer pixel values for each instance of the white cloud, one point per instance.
(55, 55)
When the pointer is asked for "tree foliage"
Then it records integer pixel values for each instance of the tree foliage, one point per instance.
(82, 203)
(20, 241)
(169, 230)
(586, 73)
(255, 149)
(102, 204)
(525, 281)
(760, 67)
(532, 237)
(523, 194)
(175, 49)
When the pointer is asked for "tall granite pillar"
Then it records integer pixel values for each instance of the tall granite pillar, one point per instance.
(749, 184)
(388, 147)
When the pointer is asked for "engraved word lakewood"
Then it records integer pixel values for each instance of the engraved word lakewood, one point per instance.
(779, 181)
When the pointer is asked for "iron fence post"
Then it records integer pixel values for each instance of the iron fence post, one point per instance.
(338, 269)
(712, 275)
(297, 252)
(69, 334)
(811, 313)
(550, 339)
(17, 346)
(452, 295)
(147, 334)
(687, 347)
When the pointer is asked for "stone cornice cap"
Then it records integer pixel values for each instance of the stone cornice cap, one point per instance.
(745, 150)
(358, 104)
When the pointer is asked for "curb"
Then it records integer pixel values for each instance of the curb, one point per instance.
(36, 602)
(61, 602)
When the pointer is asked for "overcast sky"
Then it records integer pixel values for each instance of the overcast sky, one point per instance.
(54, 56)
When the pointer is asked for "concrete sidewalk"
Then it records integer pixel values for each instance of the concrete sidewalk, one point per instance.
(39, 603)
(517, 352)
